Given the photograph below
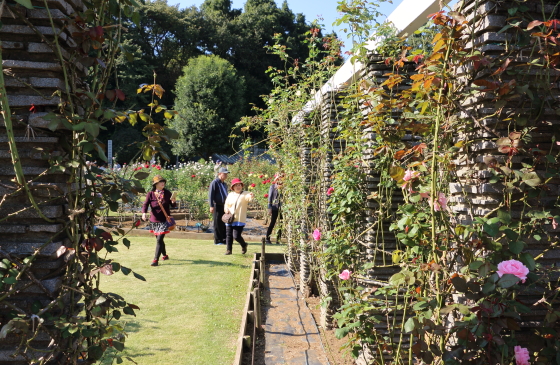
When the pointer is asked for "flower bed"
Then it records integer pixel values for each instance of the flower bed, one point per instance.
(191, 181)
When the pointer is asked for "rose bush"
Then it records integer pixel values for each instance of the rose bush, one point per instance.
(191, 181)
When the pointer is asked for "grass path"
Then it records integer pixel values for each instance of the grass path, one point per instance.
(190, 306)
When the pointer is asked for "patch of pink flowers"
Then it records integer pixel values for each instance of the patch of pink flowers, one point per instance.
(513, 267)
(410, 174)
(345, 275)
(330, 191)
(440, 203)
(521, 355)
(316, 234)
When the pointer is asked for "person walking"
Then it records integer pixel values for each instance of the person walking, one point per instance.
(217, 194)
(158, 199)
(274, 205)
(236, 204)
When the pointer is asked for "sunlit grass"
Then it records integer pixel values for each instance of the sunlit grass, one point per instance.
(190, 306)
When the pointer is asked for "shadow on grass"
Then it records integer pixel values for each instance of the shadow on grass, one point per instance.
(133, 326)
(203, 262)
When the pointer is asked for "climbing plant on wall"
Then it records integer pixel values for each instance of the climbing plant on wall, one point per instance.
(470, 269)
(78, 317)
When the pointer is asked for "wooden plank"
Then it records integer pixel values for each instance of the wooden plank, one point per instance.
(242, 331)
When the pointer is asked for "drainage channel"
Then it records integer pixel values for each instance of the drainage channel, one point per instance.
(290, 334)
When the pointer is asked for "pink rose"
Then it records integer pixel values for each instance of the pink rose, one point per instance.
(513, 267)
(345, 275)
(410, 174)
(521, 355)
(317, 234)
(554, 223)
(441, 203)
(330, 191)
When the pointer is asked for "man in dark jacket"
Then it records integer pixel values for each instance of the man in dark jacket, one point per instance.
(274, 207)
(217, 194)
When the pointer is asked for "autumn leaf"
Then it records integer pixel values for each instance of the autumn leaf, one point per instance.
(111, 95)
(120, 94)
(534, 23)
(488, 85)
(503, 67)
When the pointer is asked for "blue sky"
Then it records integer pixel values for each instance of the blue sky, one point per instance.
(312, 9)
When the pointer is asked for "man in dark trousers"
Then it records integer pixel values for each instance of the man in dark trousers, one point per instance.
(217, 194)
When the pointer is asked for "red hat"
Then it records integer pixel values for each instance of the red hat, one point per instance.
(236, 181)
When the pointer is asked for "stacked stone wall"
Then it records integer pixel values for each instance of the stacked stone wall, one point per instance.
(33, 76)
(474, 194)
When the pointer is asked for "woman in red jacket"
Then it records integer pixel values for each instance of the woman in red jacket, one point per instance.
(158, 222)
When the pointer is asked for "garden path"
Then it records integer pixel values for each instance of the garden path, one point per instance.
(291, 334)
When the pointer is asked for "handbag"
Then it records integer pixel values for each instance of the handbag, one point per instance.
(228, 217)
(170, 221)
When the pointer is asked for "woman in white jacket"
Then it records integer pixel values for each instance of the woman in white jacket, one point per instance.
(236, 204)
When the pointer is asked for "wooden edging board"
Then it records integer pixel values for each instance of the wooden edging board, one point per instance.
(249, 304)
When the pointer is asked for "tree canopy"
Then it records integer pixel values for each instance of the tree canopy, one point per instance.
(210, 100)
(167, 37)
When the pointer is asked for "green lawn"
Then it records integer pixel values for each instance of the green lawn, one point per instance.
(190, 306)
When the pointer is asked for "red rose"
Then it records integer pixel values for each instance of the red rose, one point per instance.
(264, 181)
(153, 165)
(147, 166)
(261, 176)
(266, 195)
(98, 175)
(253, 185)
(193, 176)
(137, 223)
(158, 167)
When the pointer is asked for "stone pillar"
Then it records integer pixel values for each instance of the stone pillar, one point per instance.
(476, 193)
(329, 120)
(33, 73)
(379, 243)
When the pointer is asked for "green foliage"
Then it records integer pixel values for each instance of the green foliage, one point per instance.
(210, 101)
(125, 141)
(163, 41)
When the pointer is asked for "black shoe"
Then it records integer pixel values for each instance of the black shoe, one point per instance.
(154, 263)
(228, 252)
(267, 241)
(244, 249)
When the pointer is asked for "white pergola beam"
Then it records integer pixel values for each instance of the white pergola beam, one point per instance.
(407, 18)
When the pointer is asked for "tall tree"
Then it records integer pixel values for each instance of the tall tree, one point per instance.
(168, 37)
(210, 100)
(165, 40)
